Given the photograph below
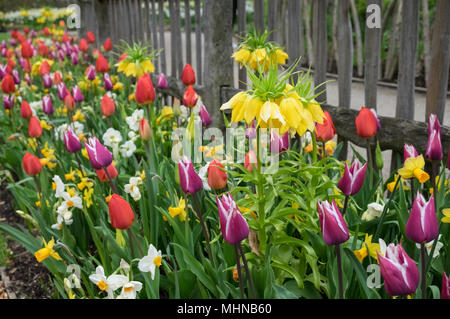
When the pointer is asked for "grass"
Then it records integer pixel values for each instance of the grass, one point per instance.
(4, 36)
(5, 253)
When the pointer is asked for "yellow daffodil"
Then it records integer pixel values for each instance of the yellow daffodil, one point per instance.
(390, 186)
(413, 168)
(45, 125)
(367, 248)
(179, 210)
(79, 116)
(87, 196)
(85, 183)
(329, 147)
(446, 213)
(32, 143)
(118, 87)
(47, 251)
(84, 153)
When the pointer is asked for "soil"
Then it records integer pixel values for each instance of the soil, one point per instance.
(28, 279)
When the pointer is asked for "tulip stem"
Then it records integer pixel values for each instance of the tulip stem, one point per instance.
(260, 187)
(133, 238)
(314, 143)
(205, 230)
(347, 197)
(79, 164)
(238, 266)
(111, 182)
(249, 276)
(339, 267)
(36, 181)
(424, 271)
(369, 162)
(385, 209)
(412, 191)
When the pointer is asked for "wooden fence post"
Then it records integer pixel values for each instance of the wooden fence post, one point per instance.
(102, 19)
(259, 15)
(241, 30)
(440, 60)
(320, 46)
(295, 40)
(218, 18)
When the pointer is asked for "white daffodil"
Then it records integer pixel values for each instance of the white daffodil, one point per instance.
(132, 188)
(134, 119)
(429, 246)
(374, 210)
(130, 289)
(108, 284)
(132, 136)
(151, 261)
(203, 172)
(71, 201)
(59, 223)
(112, 137)
(60, 188)
(127, 149)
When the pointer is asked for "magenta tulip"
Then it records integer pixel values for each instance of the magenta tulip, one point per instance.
(334, 228)
(47, 106)
(445, 292)
(434, 145)
(71, 141)
(353, 178)
(91, 73)
(62, 91)
(16, 77)
(8, 101)
(190, 182)
(409, 151)
(77, 95)
(204, 116)
(47, 80)
(279, 144)
(107, 82)
(162, 82)
(233, 225)
(422, 225)
(99, 156)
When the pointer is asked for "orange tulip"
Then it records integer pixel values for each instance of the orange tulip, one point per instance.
(69, 102)
(57, 78)
(34, 127)
(108, 106)
(325, 131)
(217, 178)
(31, 164)
(112, 171)
(120, 212)
(366, 125)
(250, 160)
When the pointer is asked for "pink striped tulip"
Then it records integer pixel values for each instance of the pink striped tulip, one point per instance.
(279, 144)
(8, 101)
(91, 73)
(445, 292)
(47, 106)
(434, 145)
(400, 272)
(204, 116)
(422, 225)
(190, 182)
(71, 141)
(47, 80)
(62, 91)
(107, 82)
(334, 228)
(99, 156)
(409, 151)
(353, 178)
(233, 225)
(77, 95)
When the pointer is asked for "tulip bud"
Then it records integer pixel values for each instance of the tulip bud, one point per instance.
(190, 182)
(47, 106)
(90, 72)
(366, 123)
(217, 178)
(325, 131)
(250, 161)
(84, 46)
(379, 157)
(101, 64)
(445, 293)
(434, 145)
(107, 82)
(409, 151)
(353, 178)
(77, 95)
(8, 85)
(62, 91)
(90, 37)
(334, 228)
(25, 110)
(16, 77)
(99, 156)
(74, 58)
(279, 144)
(71, 141)
(250, 131)
(422, 225)
(144, 129)
(204, 116)
(57, 78)
(8, 101)
(31, 164)
(190, 97)
(108, 106)
(120, 212)
(69, 103)
(47, 80)
(27, 51)
(34, 127)
(433, 124)
(107, 45)
(400, 272)
(112, 171)
(45, 68)
(233, 225)
(145, 92)
(162, 82)
(188, 75)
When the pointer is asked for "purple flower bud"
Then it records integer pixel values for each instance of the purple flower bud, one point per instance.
(71, 141)
(74, 58)
(47, 79)
(250, 132)
(4, 52)
(433, 124)
(409, 151)
(422, 225)
(91, 73)
(33, 33)
(47, 106)
(400, 272)
(99, 156)
(77, 95)
(279, 144)
(190, 182)
(162, 82)
(107, 82)
(62, 91)
(334, 228)
(61, 55)
(28, 79)
(434, 145)
(445, 292)
(204, 116)
(8, 101)
(16, 77)
(233, 225)
(3, 71)
(353, 178)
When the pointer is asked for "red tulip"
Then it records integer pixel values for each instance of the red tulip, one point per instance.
(107, 45)
(90, 37)
(325, 131)
(34, 127)
(27, 50)
(43, 50)
(8, 85)
(46, 31)
(25, 110)
(31, 164)
(112, 171)
(120, 212)
(83, 46)
(145, 92)
(188, 75)
(44, 68)
(366, 123)
(123, 57)
(69, 102)
(190, 97)
(217, 178)
(101, 65)
(107, 106)
(57, 78)
(250, 160)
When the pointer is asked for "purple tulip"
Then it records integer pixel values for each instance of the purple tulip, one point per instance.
(8, 101)
(77, 95)
(61, 55)
(353, 178)
(233, 225)
(28, 79)
(434, 145)
(62, 91)
(334, 228)
(190, 182)
(16, 77)
(99, 156)
(433, 124)
(400, 272)
(33, 33)
(445, 292)
(107, 82)
(409, 151)
(12, 42)
(74, 58)
(204, 116)
(52, 55)
(3, 44)
(279, 144)
(71, 141)
(422, 225)
(47, 80)
(162, 82)
(47, 106)
(91, 73)
(3, 71)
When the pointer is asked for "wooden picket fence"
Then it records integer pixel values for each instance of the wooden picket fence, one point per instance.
(200, 32)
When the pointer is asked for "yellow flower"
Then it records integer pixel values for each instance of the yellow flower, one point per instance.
(281, 56)
(37, 65)
(131, 97)
(179, 210)
(413, 167)
(32, 143)
(85, 153)
(329, 147)
(79, 116)
(241, 56)
(257, 58)
(45, 125)
(373, 249)
(85, 183)
(87, 197)
(118, 86)
(143, 175)
(47, 251)
(166, 112)
(446, 218)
